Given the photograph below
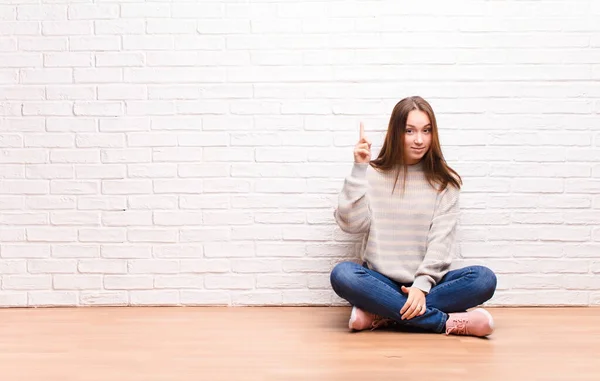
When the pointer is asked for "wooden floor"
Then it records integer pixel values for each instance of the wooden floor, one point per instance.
(308, 343)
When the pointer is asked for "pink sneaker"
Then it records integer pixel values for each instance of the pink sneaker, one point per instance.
(361, 319)
(478, 322)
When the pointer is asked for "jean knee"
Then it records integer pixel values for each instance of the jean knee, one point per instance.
(487, 281)
(341, 275)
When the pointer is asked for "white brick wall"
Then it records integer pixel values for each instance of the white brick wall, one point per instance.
(177, 152)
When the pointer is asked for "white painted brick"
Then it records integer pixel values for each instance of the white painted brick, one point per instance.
(153, 235)
(205, 234)
(152, 170)
(173, 26)
(256, 298)
(42, 44)
(67, 28)
(50, 202)
(105, 171)
(26, 187)
(101, 203)
(148, 10)
(68, 187)
(21, 60)
(126, 186)
(124, 124)
(280, 201)
(98, 108)
(229, 282)
(93, 12)
(11, 141)
(234, 122)
(128, 155)
(22, 93)
(215, 218)
(151, 139)
(256, 266)
(294, 281)
(11, 203)
(329, 250)
(179, 251)
(69, 93)
(78, 218)
(168, 218)
(126, 251)
(102, 235)
(179, 281)
(308, 233)
(52, 298)
(26, 282)
(46, 76)
(264, 249)
(538, 185)
(205, 298)
(102, 266)
(154, 297)
(127, 218)
(221, 133)
(152, 202)
(120, 59)
(13, 266)
(180, 186)
(12, 235)
(41, 12)
(307, 297)
(77, 282)
(153, 266)
(128, 282)
(308, 265)
(75, 251)
(23, 156)
(13, 299)
(282, 217)
(179, 154)
(174, 75)
(226, 186)
(229, 250)
(208, 201)
(203, 170)
(280, 186)
(26, 251)
(241, 233)
(319, 281)
(95, 43)
(19, 28)
(122, 92)
(55, 140)
(103, 298)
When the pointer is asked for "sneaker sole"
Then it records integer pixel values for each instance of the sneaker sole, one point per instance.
(489, 316)
(352, 318)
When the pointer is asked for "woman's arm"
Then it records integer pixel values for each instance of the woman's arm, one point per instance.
(439, 241)
(353, 214)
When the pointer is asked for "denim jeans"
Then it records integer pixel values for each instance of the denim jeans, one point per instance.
(371, 291)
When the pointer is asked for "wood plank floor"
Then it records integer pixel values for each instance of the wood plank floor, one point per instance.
(303, 343)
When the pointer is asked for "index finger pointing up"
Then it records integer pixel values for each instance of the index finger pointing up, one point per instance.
(362, 130)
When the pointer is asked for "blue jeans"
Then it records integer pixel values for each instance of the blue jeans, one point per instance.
(371, 291)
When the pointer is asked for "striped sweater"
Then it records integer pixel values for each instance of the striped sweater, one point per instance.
(408, 237)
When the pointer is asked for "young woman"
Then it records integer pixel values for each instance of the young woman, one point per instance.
(406, 203)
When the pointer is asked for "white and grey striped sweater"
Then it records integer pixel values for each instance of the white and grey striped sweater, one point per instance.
(409, 237)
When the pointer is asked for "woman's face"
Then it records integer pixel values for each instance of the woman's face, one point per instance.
(417, 136)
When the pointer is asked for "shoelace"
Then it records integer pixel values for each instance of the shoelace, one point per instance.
(380, 322)
(459, 327)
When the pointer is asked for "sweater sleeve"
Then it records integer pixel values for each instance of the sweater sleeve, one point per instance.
(353, 214)
(440, 241)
